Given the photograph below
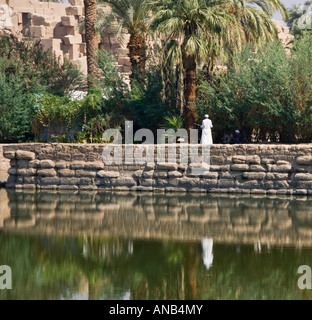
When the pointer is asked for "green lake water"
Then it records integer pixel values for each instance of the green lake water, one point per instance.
(79, 245)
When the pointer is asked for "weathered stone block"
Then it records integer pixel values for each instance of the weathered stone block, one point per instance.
(239, 159)
(12, 171)
(26, 172)
(280, 168)
(69, 181)
(281, 184)
(61, 165)
(86, 181)
(277, 176)
(34, 163)
(25, 155)
(66, 173)
(46, 172)
(304, 160)
(303, 176)
(267, 161)
(74, 11)
(148, 174)
(217, 160)
(207, 183)
(13, 163)
(137, 174)
(108, 174)
(174, 174)
(303, 185)
(175, 189)
(30, 180)
(124, 181)
(68, 21)
(96, 165)
(85, 173)
(265, 184)
(254, 175)
(255, 160)
(23, 164)
(160, 174)
(37, 32)
(239, 167)
(226, 175)
(63, 156)
(283, 162)
(249, 184)
(257, 168)
(9, 154)
(47, 164)
(77, 165)
(49, 180)
(70, 39)
(147, 182)
(167, 166)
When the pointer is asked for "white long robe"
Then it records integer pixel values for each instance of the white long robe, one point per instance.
(206, 137)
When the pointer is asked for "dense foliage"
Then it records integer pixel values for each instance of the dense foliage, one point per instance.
(244, 80)
(267, 95)
(26, 69)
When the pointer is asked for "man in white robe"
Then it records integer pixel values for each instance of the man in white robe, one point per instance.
(206, 137)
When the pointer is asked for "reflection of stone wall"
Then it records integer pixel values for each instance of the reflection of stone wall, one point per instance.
(4, 167)
(230, 219)
(271, 169)
(4, 206)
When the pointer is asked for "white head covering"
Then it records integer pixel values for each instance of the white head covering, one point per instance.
(237, 131)
(206, 116)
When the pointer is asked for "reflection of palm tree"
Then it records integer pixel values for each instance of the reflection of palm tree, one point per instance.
(192, 262)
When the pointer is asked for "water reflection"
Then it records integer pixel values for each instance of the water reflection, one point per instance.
(141, 246)
(261, 221)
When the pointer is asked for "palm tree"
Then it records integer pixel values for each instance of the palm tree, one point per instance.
(197, 31)
(131, 15)
(91, 41)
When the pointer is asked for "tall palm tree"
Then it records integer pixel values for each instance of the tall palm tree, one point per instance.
(196, 30)
(91, 41)
(131, 16)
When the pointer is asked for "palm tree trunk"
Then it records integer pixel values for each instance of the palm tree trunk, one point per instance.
(91, 41)
(137, 55)
(190, 115)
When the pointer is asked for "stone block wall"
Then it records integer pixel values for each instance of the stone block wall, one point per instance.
(263, 169)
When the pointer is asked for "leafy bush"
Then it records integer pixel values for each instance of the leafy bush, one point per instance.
(58, 114)
(26, 69)
(37, 66)
(266, 95)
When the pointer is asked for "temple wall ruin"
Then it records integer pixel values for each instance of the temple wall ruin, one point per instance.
(253, 169)
(56, 26)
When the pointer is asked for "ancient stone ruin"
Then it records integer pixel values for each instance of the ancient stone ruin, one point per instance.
(56, 26)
